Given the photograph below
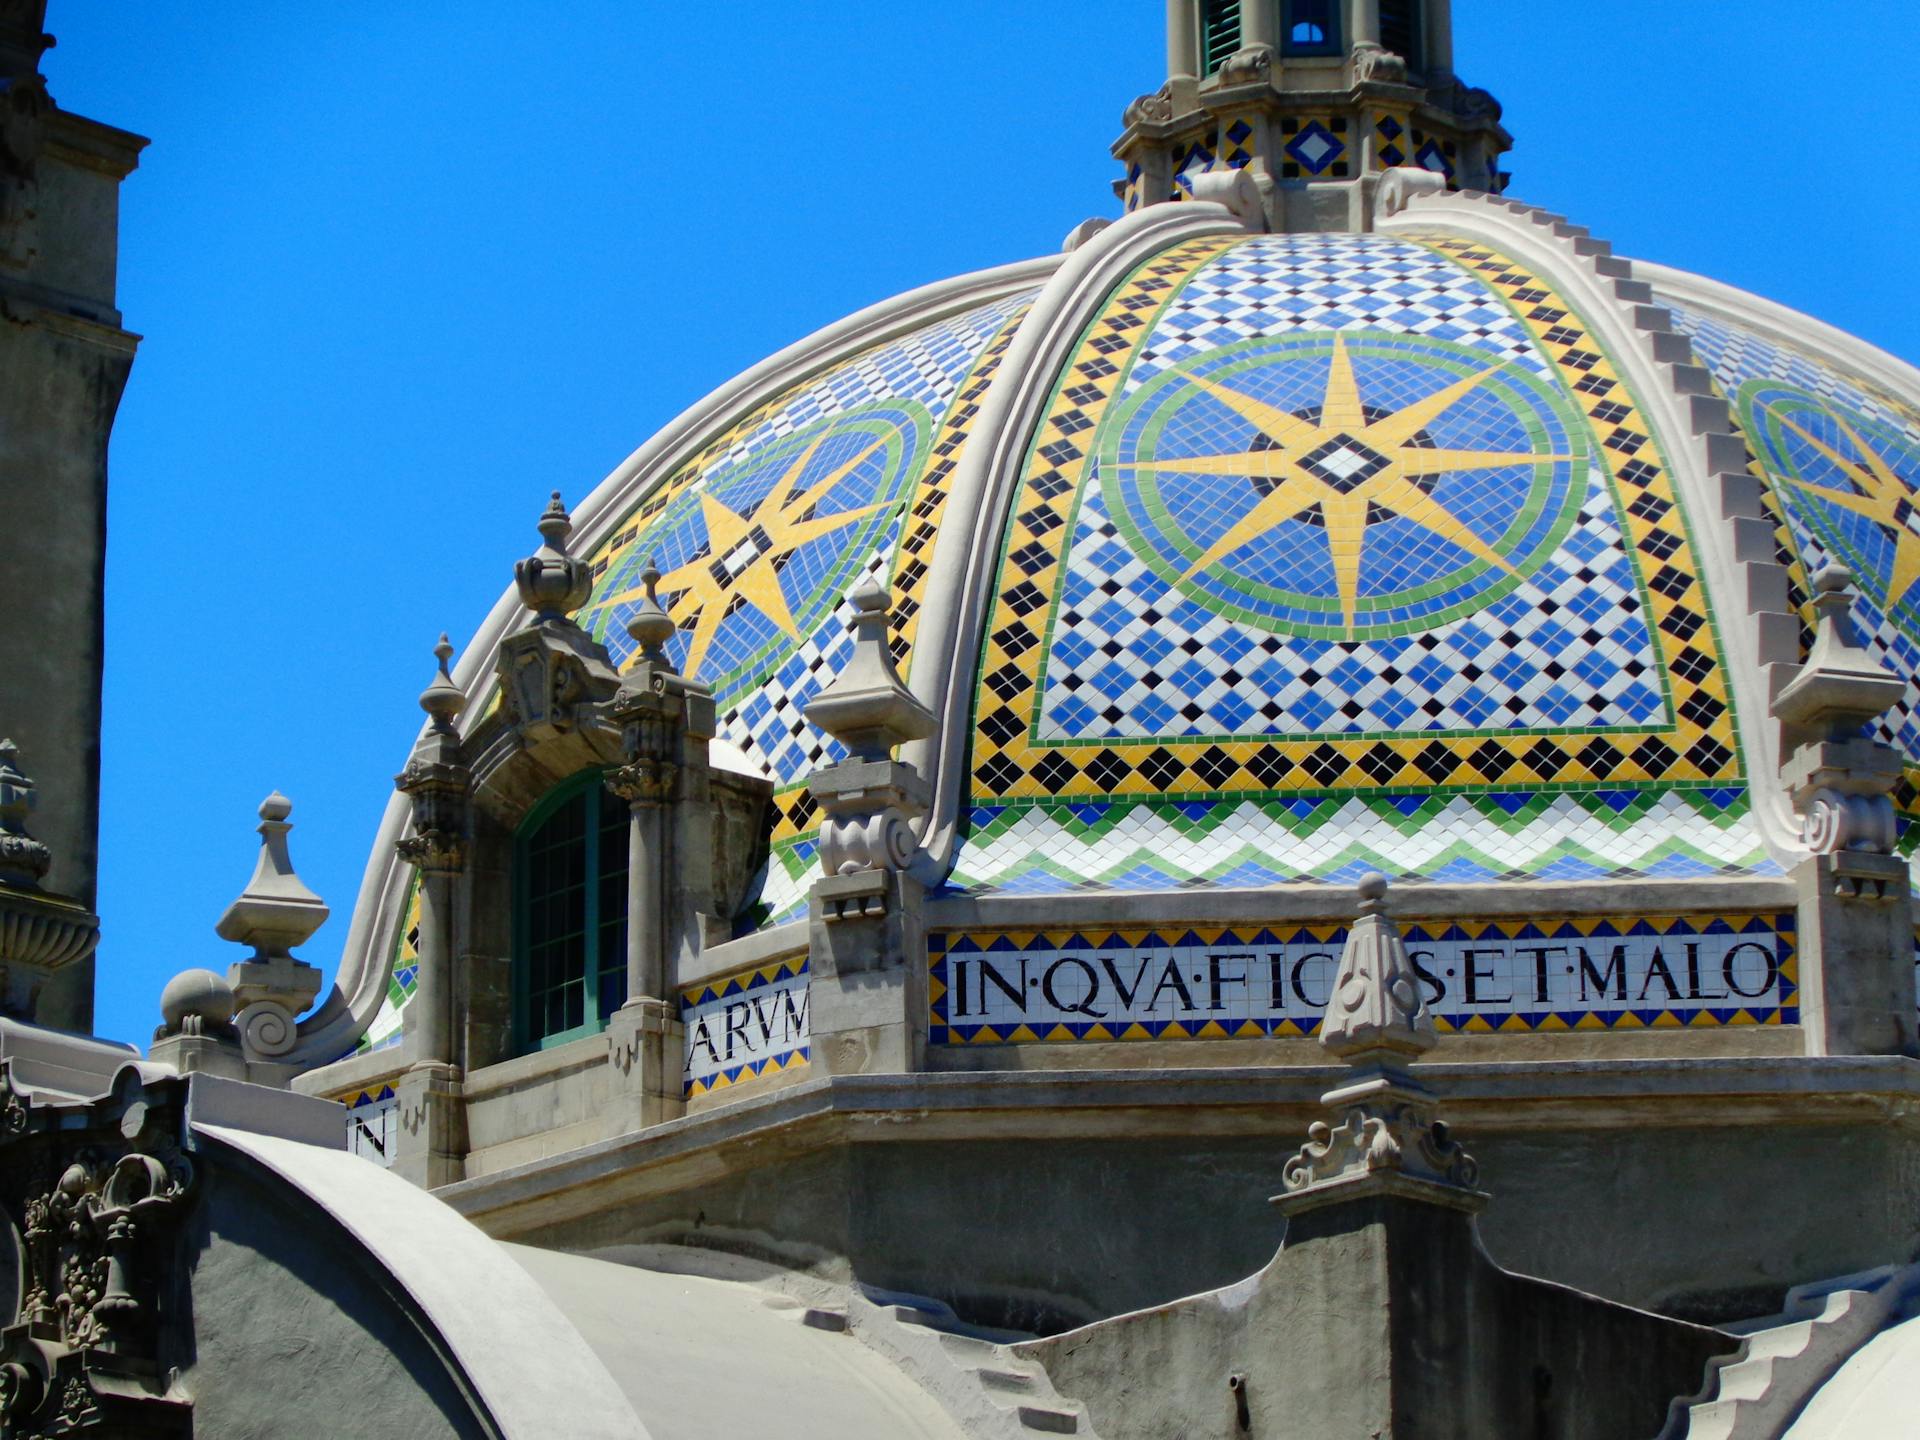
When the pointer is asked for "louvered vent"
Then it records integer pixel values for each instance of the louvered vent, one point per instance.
(1219, 32)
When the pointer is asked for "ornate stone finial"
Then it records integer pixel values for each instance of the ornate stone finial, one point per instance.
(552, 582)
(443, 700)
(870, 797)
(651, 627)
(23, 859)
(273, 914)
(866, 707)
(1840, 777)
(1377, 1021)
(1376, 1009)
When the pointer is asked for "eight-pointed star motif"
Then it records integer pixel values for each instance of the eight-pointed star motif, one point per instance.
(745, 553)
(1347, 467)
(1880, 496)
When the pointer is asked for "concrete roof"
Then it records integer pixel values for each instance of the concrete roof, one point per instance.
(699, 1357)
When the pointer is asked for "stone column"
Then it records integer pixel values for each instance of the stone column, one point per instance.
(431, 1146)
(1363, 23)
(1856, 924)
(1183, 39)
(1439, 39)
(656, 709)
(867, 929)
(1260, 23)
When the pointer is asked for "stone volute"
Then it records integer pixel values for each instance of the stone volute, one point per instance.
(272, 915)
(1387, 1137)
(870, 798)
(40, 932)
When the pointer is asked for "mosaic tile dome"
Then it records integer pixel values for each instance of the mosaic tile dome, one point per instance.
(1287, 556)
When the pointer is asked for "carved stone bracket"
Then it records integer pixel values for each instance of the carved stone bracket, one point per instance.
(99, 1194)
(1388, 1124)
(644, 781)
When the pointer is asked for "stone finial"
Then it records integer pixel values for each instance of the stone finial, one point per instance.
(651, 627)
(553, 583)
(23, 859)
(1839, 775)
(1376, 1008)
(276, 911)
(443, 700)
(273, 914)
(1387, 1135)
(866, 707)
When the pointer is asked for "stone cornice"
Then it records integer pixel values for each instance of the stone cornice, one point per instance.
(1271, 1101)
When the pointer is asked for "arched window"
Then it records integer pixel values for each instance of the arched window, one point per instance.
(569, 914)
(1400, 30)
(1310, 27)
(1219, 33)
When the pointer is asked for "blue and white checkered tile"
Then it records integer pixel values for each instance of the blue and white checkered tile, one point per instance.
(1738, 357)
(1133, 659)
(1273, 285)
(762, 713)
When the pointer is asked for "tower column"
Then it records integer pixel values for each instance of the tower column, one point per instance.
(1183, 38)
(1439, 38)
(1260, 23)
(1363, 23)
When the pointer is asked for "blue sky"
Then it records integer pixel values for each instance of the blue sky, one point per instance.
(404, 269)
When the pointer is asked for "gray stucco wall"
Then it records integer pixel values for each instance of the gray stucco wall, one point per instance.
(293, 1334)
(1708, 1221)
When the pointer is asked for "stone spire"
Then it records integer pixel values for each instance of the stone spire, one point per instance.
(273, 914)
(24, 861)
(1316, 99)
(1387, 1136)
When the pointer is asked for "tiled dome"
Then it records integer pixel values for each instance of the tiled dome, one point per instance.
(1230, 560)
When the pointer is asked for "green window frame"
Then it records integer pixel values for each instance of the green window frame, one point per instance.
(1219, 33)
(569, 914)
(1311, 27)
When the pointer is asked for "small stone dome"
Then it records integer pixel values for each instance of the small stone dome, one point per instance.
(202, 994)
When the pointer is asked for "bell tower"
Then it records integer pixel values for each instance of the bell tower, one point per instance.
(64, 359)
(1317, 99)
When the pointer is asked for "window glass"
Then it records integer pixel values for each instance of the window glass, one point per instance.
(1311, 28)
(570, 915)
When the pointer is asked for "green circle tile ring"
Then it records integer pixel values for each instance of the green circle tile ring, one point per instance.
(1848, 478)
(756, 556)
(1344, 487)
